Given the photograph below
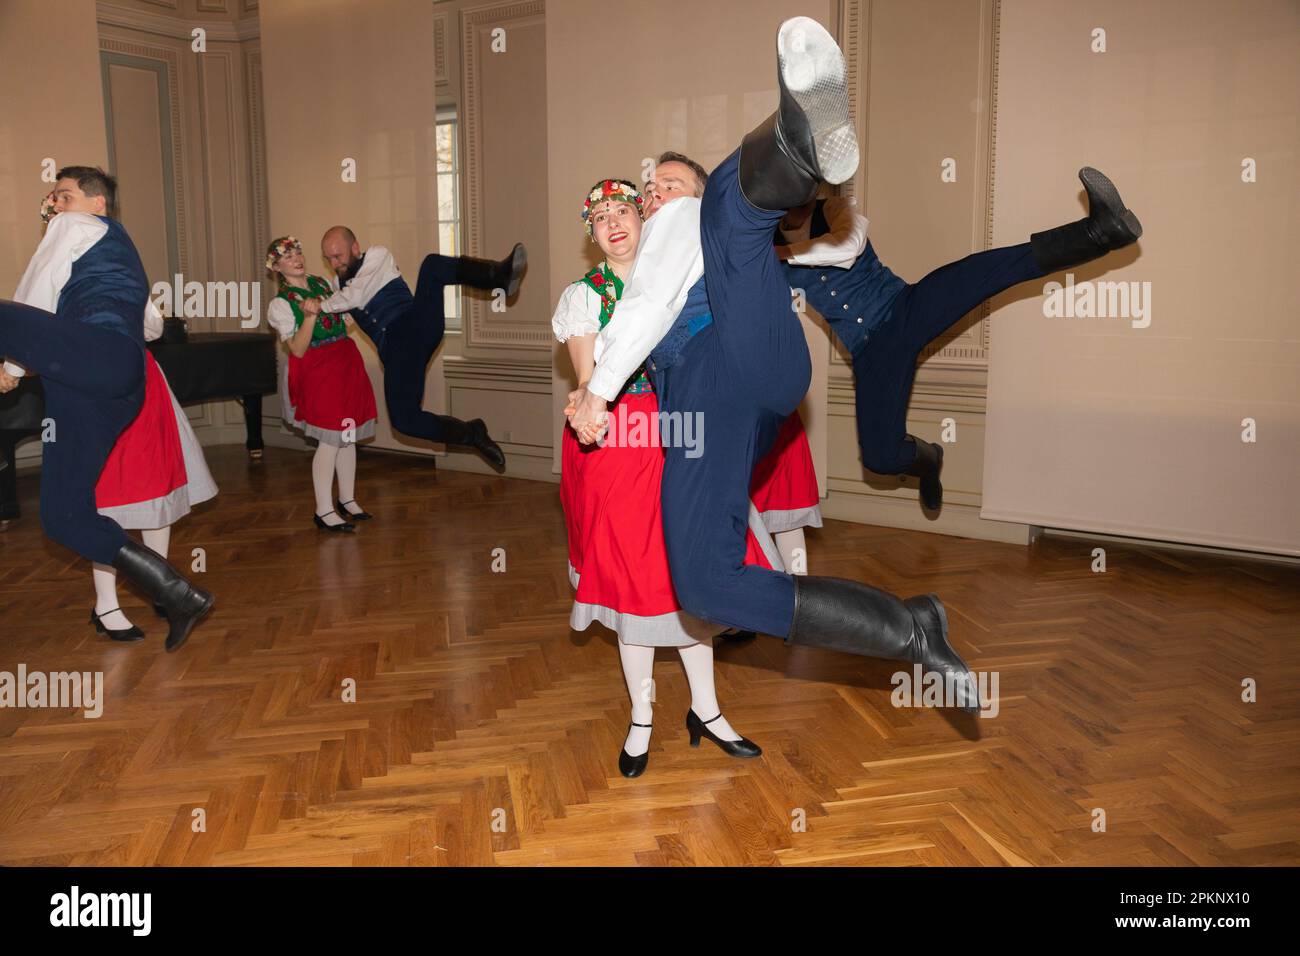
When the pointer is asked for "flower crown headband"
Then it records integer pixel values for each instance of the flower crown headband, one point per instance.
(618, 190)
(281, 247)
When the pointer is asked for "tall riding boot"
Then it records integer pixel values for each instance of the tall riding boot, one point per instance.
(810, 138)
(184, 603)
(858, 619)
(928, 464)
(1109, 225)
(505, 274)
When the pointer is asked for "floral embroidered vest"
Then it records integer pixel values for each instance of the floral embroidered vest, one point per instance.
(329, 327)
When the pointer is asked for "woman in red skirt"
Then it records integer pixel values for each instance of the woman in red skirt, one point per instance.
(784, 490)
(618, 564)
(326, 392)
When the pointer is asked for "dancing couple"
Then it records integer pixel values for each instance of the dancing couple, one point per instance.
(706, 307)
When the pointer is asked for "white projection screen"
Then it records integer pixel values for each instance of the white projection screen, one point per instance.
(1098, 424)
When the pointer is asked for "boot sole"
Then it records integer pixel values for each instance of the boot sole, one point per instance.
(1098, 183)
(812, 71)
(517, 263)
(174, 644)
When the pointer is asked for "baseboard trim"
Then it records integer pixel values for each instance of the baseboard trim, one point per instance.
(956, 520)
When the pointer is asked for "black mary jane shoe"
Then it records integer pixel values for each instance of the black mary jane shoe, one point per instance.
(129, 634)
(346, 515)
(346, 526)
(628, 765)
(733, 748)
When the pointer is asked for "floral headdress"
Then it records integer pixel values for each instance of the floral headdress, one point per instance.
(48, 211)
(619, 190)
(281, 247)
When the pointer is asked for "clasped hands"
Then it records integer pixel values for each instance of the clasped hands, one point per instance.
(588, 414)
(7, 382)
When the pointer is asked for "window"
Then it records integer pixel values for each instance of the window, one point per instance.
(448, 171)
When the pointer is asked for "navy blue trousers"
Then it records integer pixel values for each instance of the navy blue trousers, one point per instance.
(742, 375)
(408, 346)
(884, 365)
(94, 387)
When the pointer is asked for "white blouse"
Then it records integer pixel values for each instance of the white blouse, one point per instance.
(67, 237)
(279, 316)
(578, 312)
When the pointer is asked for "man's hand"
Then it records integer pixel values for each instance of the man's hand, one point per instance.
(588, 415)
(311, 308)
(8, 382)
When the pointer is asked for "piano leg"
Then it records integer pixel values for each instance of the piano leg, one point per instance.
(8, 481)
(253, 426)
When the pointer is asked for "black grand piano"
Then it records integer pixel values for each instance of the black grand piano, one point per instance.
(207, 366)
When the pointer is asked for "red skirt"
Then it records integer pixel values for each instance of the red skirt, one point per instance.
(617, 558)
(784, 486)
(329, 391)
(147, 462)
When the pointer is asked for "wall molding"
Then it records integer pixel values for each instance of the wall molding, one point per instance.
(483, 327)
(123, 52)
(176, 26)
(441, 77)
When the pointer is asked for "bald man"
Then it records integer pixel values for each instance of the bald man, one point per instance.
(407, 329)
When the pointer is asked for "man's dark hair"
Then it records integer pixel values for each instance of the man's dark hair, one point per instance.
(701, 174)
(94, 182)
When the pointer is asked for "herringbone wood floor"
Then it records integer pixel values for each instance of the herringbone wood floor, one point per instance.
(485, 732)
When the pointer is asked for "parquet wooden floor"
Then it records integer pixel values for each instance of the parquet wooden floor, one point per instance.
(485, 732)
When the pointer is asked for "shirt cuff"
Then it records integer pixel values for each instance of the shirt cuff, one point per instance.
(603, 383)
(17, 371)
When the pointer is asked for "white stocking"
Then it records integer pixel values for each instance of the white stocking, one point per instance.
(346, 468)
(788, 542)
(638, 672)
(322, 479)
(105, 578)
(698, 661)
(157, 540)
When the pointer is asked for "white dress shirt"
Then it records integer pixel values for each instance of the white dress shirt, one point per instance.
(377, 270)
(67, 237)
(840, 247)
(669, 261)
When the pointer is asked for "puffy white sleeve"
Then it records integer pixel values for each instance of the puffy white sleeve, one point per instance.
(153, 321)
(377, 269)
(842, 245)
(669, 261)
(67, 236)
(578, 312)
(279, 316)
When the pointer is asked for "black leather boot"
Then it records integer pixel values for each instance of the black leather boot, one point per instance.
(810, 138)
(856, 618)
(1109, 225)
(477, 437)
(928, 464)
(490, 274)
(185, 604)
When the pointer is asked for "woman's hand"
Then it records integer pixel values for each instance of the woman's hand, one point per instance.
(8, 382)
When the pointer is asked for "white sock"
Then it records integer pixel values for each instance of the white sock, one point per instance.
(322, 479)
(157, 540)
(105, 578)
(638, 672)
(788, 542)
(346, 469)
(698, 661)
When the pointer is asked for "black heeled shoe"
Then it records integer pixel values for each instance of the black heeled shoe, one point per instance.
(628, 765)
(348, 515)
(130, 634)
(345, 526)
(697, 728)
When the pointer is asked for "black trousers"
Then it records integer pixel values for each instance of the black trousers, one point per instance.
(408, 346)
(94, 387)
